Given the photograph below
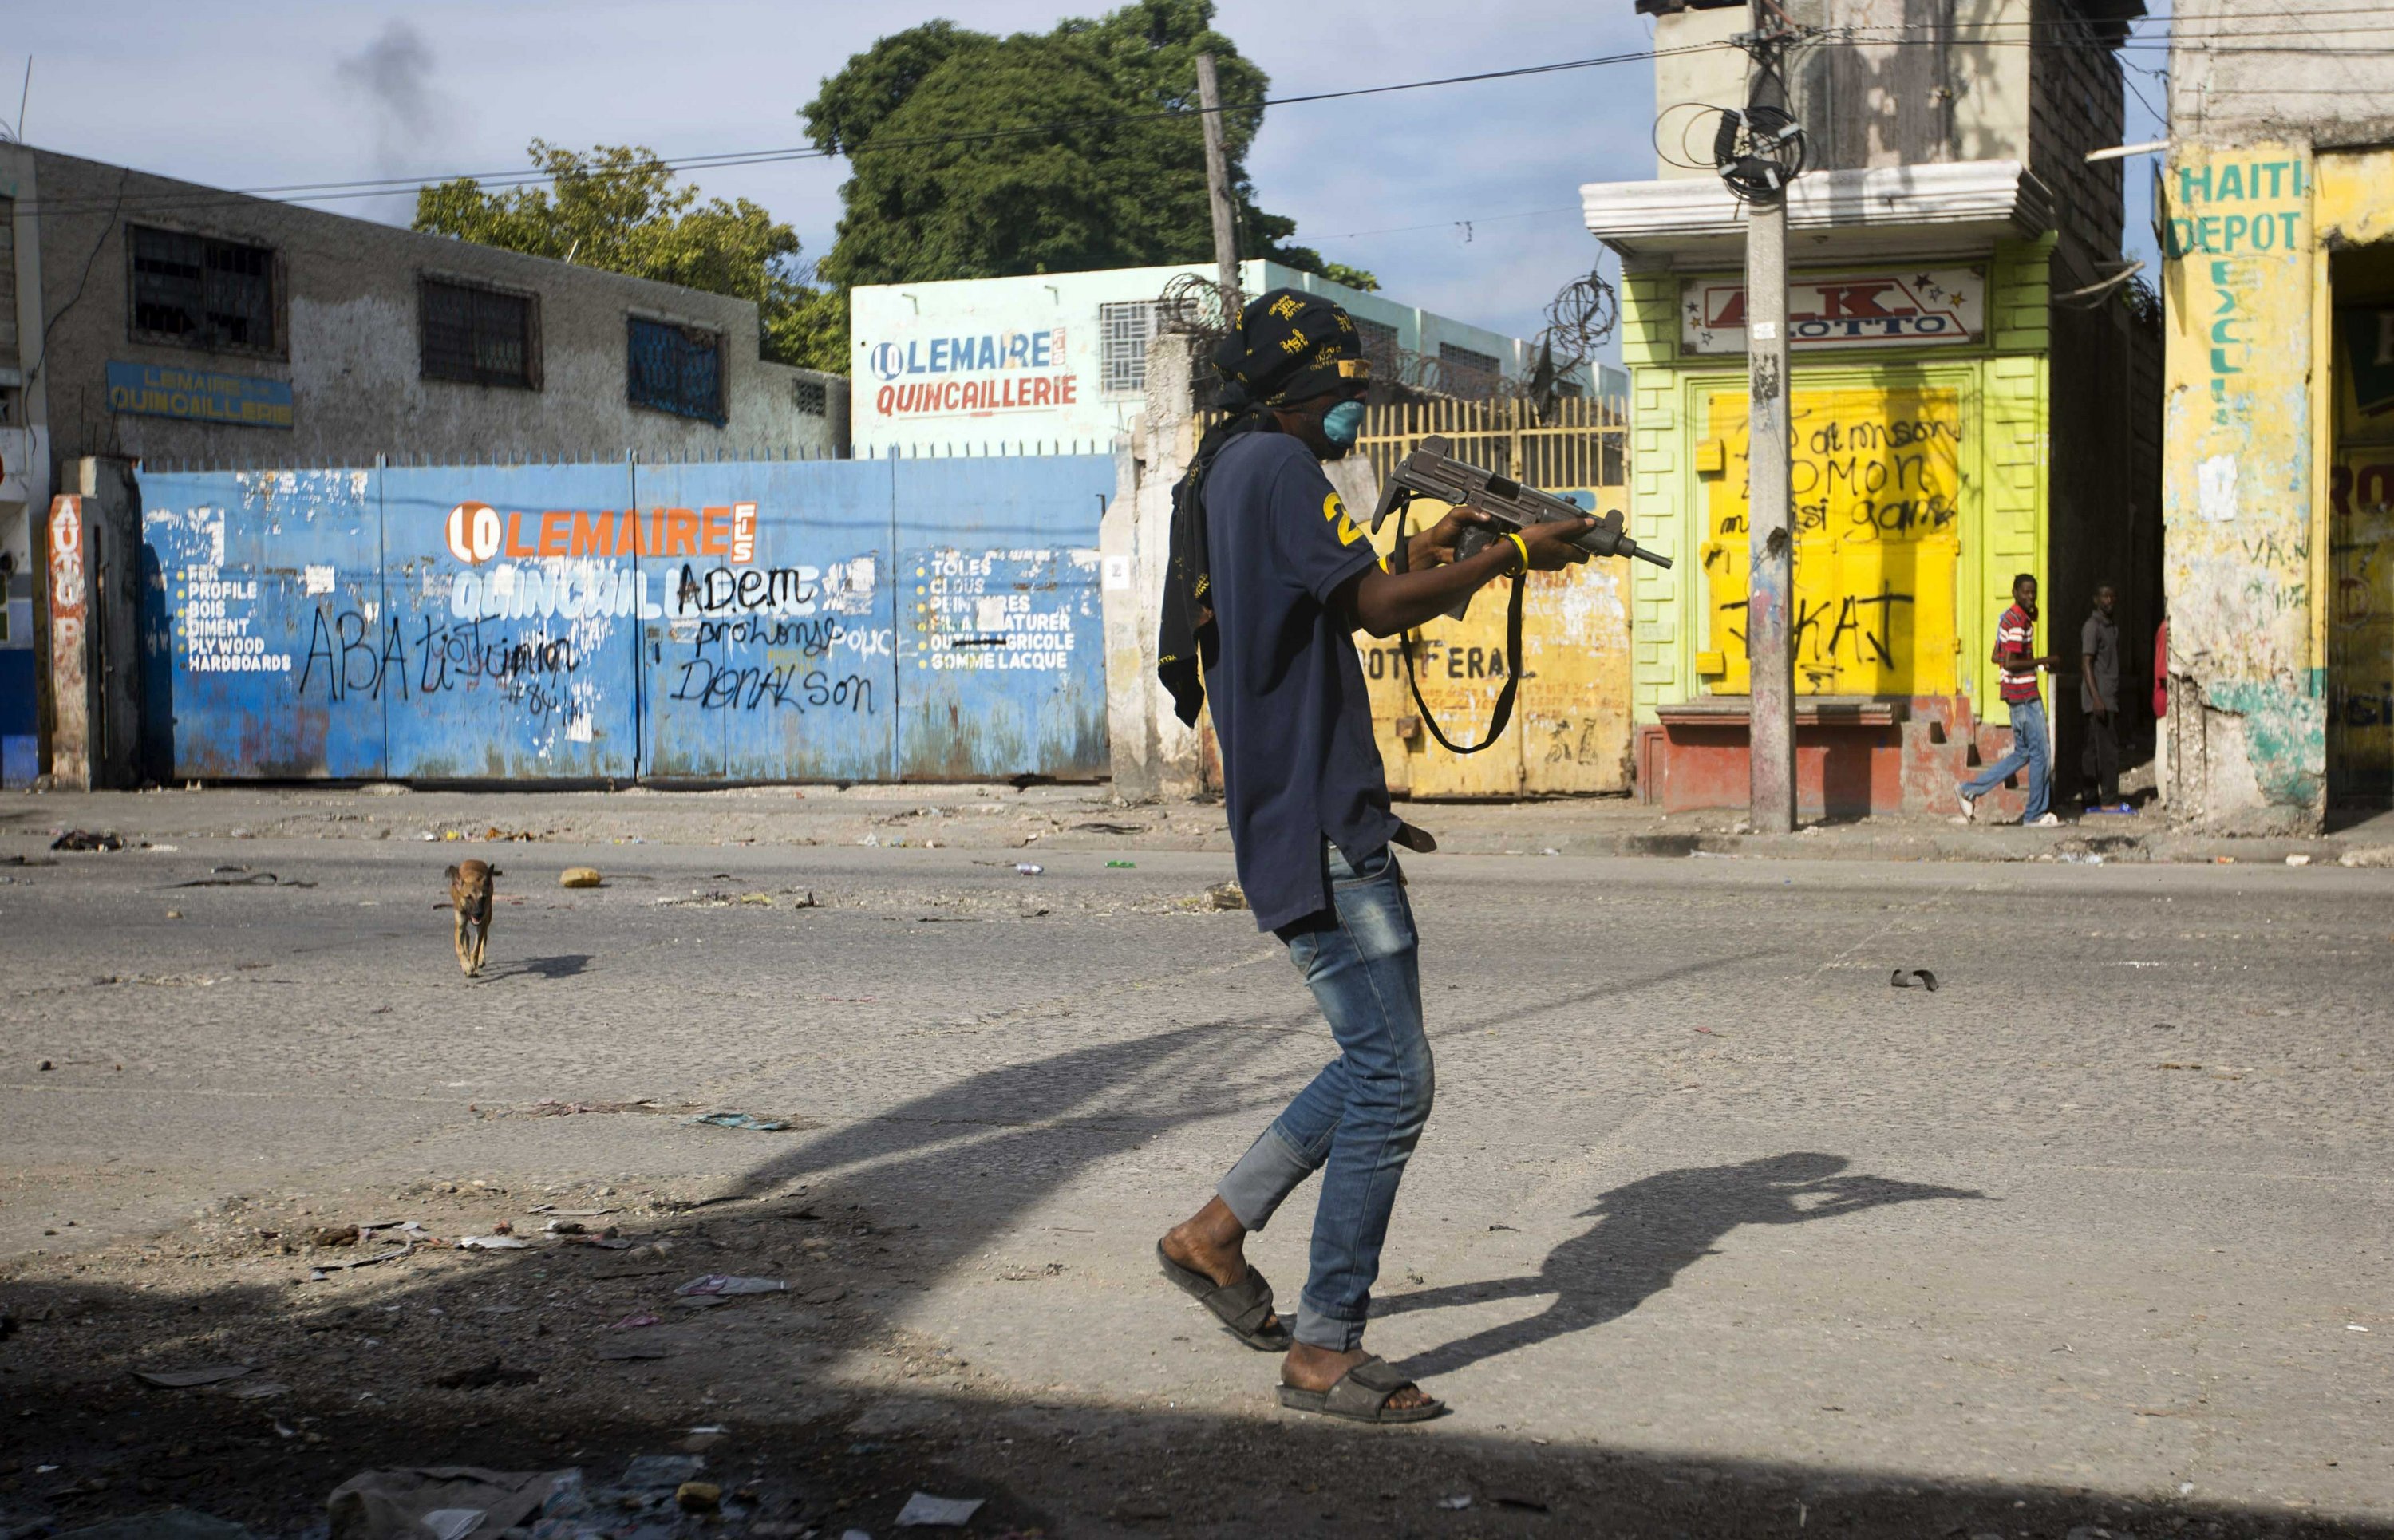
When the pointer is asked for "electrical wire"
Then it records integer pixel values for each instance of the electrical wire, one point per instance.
(34, 370)
(340, 191)
(2178, 25)
(377, 187)
(2162, 76)
(2156, 47)
(1447, 224)
(1655, 137)
(1759, 152)
(1854, 36)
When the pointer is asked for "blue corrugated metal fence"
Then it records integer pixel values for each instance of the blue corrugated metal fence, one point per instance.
(726, 621)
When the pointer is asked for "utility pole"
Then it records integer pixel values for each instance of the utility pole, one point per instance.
(1217, 187)
(1771, 571)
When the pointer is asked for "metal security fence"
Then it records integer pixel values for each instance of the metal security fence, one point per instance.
(1579, 442)
(705, 620)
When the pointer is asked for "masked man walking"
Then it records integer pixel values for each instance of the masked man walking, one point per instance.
(1269, 578)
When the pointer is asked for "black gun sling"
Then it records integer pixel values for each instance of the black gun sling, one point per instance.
(1503, 716)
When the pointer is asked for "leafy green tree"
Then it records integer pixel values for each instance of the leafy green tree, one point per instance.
(1354, 278)
(977, 156)
(877, 82)
(618, 209)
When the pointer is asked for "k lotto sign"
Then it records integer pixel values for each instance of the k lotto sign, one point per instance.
(1879, 310)
(972, 374)
(478, 533)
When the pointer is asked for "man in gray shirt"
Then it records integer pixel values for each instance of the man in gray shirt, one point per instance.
(2099, 696)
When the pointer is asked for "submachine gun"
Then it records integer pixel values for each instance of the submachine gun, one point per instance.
(1430, 471)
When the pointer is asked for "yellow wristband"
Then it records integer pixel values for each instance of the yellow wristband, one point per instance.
(1521, 545)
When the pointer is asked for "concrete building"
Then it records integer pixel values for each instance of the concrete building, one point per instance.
(157, 319)
(147, 319)
(1060, 358)
(1969, 400)
(2280, 484)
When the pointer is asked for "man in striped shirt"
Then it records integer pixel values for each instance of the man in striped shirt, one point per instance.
(2016, 658)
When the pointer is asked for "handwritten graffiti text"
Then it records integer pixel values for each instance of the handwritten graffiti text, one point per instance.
(716, 684)
(349, 657)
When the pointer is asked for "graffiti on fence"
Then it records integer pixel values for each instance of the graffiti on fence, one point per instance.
(349, 656)
(840, 587)
(728, 620)
(770, 687)
(773, 637)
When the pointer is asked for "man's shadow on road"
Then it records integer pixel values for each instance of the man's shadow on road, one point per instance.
(1645, 1233)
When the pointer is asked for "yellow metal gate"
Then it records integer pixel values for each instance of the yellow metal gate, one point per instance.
(1570, 721)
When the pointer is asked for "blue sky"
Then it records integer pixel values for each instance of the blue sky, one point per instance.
(267, 92)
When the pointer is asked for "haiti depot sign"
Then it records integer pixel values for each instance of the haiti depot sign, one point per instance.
(1945, 306)
(978, 374)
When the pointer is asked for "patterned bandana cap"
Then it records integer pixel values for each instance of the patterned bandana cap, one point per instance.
(1290, 346)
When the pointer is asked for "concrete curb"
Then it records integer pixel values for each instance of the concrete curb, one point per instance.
(1086, 818)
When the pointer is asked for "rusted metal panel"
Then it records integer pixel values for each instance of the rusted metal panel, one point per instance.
(505, 647)
(1575, 702)
(1571, 728)
(265, 636)
(1460, 666)
(1001, 653)
(772, 657)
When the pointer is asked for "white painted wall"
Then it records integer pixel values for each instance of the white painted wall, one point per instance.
(1030, 342)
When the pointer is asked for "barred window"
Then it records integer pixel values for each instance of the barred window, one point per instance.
(196, 291)
(478, 335)
(812, 397)
(1124, 331)
(677, 369)
(1466, 372)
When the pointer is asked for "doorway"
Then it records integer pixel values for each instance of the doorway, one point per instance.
(2361, 532)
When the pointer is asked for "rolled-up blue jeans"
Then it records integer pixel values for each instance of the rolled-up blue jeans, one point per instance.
(1357, 1121)
(2029, 748)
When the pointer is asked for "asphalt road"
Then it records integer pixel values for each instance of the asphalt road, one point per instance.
(1707, 1215)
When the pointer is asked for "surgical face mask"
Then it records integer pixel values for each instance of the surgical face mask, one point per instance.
(1342, 424)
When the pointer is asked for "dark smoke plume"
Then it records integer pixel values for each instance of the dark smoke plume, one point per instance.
(394, 74)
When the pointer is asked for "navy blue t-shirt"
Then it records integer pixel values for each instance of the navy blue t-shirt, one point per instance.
(1286, 689)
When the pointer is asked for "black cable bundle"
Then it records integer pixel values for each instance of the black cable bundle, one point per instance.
(1759, 151)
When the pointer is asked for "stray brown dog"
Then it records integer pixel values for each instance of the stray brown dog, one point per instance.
(470, 887)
